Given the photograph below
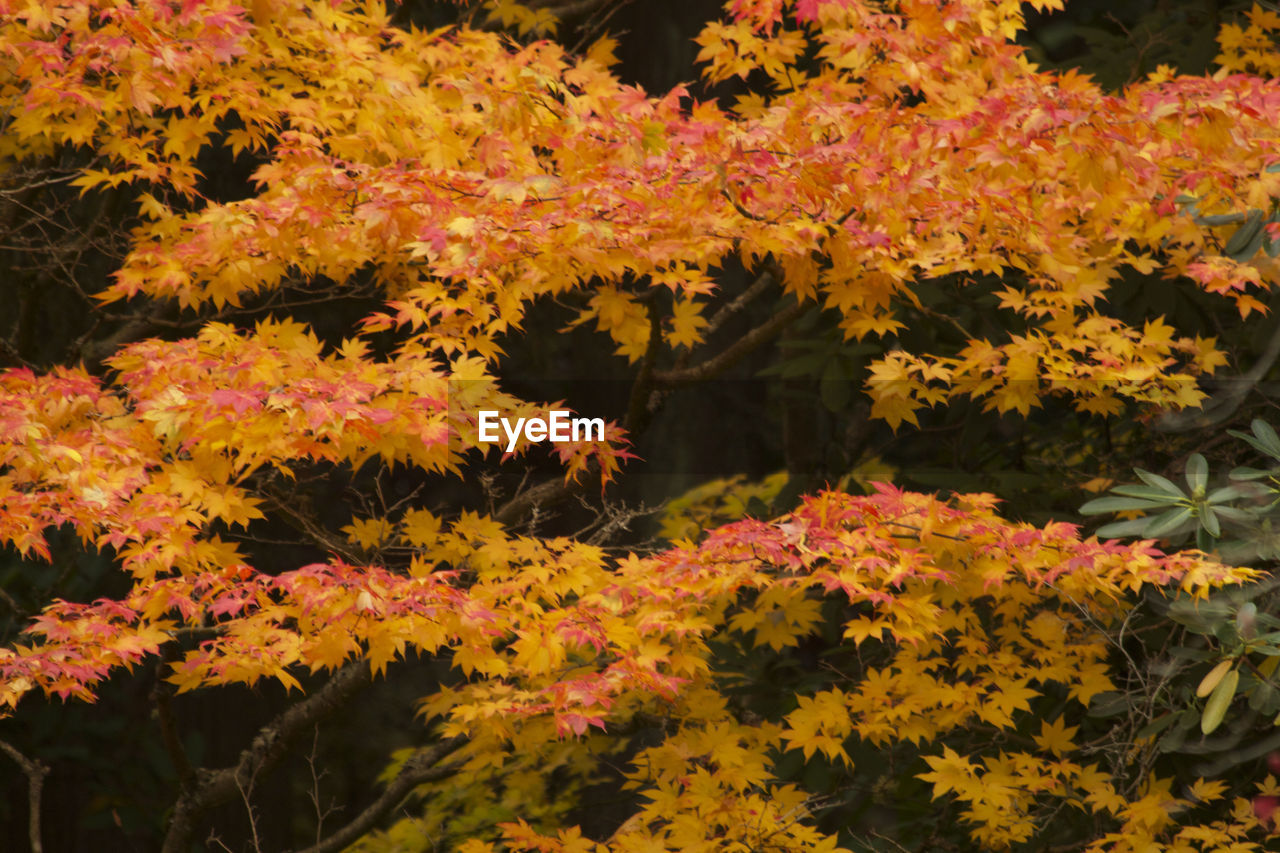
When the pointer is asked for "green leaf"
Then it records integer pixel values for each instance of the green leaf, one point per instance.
(1162, 483)
(1172, 741)
(1209, 520)
(1199, 616)
(1266, 434)
(1120, 529)
(1156, 726)
(1264, 699)
(1264, 438)
(1108, 704)
(1183, 724)
(1167, 522)
(1247, 239)
(1233, 513)
(1117, 504)
(1197, 473)
(1244, 472)
(1219, 219)
(1227, 493)
(1136, 491)
(1219, 700)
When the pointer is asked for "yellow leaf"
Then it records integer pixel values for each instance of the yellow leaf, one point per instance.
(1056, 737)
(1212, 678)
(686, 324)
(1219, 701)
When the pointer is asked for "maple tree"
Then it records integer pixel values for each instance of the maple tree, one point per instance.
(461, 178)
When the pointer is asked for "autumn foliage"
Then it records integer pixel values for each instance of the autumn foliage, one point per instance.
(458, 178)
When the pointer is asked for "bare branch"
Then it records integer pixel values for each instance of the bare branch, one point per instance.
(212, 788)
(95, 352)
(542, 495)
(759, 286)
(718, 364)
(35, 772)
(422, 767)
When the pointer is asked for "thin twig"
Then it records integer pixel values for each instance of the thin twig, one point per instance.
(422, 767)
(246, 791)
(213, 788)
(322, 812)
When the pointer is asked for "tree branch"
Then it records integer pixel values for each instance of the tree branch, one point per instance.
(759, 286)
(544, 494)
(716, 365)
(95, 352)
(212, 788)
(293, 514)
(35, 772)
(161, 693)
(639, 408)
(422, 767)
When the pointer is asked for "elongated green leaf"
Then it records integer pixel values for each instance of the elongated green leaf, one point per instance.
(1172, 741)
(1108, 704)
(1177, 735)
(1227, 493)
(1233, 513)
(1209, 520)
(1115, 504)
(1162, 483)
(1156, 726)
(1244, 472)
(1199, 616)
(1197, 473)
(1247, 239)
(1219, 219)
(1266, 434)
(1264, 699)
(1167, 522)
(1134, 490)
(1121, 529)
(1264, 438)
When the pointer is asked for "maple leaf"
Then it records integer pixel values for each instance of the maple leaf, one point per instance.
(1056, 737)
